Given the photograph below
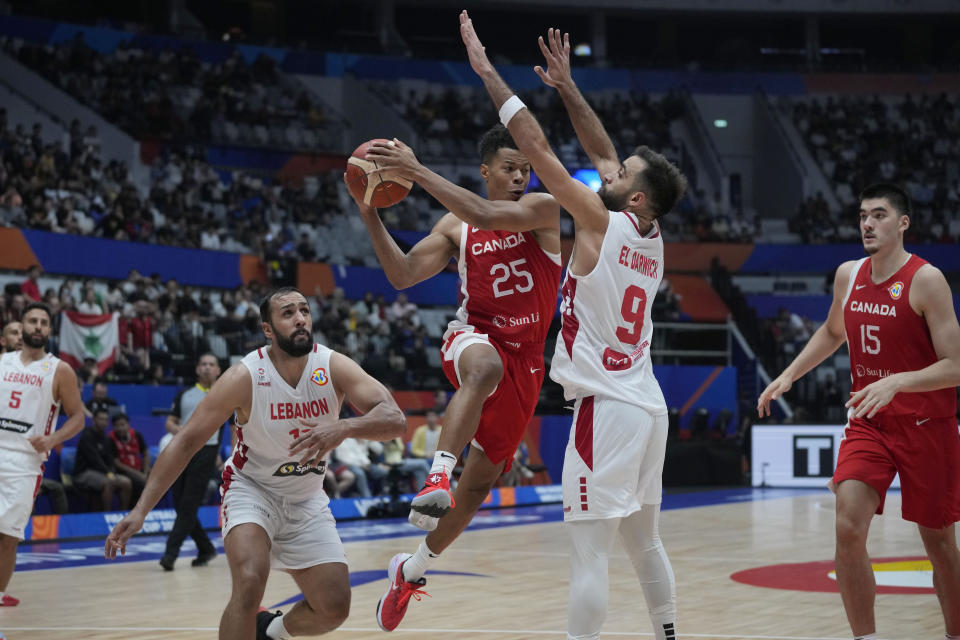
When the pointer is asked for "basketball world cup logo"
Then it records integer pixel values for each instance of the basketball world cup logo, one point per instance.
(896, 289)
(319, 377)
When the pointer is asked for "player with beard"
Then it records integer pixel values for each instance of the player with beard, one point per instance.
(286, 398)
(895, 312)
(12, 337)
(33, 385)
(507, 248)
(614, 458)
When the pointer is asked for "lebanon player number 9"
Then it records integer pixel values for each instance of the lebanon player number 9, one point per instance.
(632, 308)
(503, 271)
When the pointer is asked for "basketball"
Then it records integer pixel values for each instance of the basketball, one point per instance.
(376, 188)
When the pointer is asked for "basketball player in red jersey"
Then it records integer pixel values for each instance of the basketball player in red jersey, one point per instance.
(612, 468)
(33, 385)
(507, 248)
(895, 312)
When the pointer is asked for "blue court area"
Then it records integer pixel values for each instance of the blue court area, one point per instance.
(61, 555)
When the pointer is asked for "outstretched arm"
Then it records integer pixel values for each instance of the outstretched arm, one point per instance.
(532, 211)
(593, 137)
(583, 204)
(824, 342)
(231, 391)
(425, 259)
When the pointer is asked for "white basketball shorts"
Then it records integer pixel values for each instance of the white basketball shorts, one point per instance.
(614, 459)
(17, 492)
(302, 534)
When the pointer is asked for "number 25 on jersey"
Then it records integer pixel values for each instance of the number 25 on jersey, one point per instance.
(503, 273)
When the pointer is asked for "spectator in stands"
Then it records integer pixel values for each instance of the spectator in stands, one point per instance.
(423, 444)
(403, 309)
(440, 401)
(56, 494)
(12, 337)
(100, 400)
(129, 451)
(189, 488)
(88, 372)
(90, 303)
(30, 287)
(413, 470)
(355, 455)
(94, 468)
(140, 329)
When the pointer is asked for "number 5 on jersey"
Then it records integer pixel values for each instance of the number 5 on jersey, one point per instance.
(870, 339)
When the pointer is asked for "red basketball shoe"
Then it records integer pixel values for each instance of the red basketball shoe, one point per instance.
(393, 604)
(434, 501)
(8, 601)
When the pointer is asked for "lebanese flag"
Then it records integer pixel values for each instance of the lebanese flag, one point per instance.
(89, 336)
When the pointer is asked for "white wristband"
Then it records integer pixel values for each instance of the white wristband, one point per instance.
(510, 109)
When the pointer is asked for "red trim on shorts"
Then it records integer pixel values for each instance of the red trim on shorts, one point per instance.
(584, 503)
(36, 489)
(227, 479)
(583, 437)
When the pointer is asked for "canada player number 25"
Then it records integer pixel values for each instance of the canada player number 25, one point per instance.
(510, 272)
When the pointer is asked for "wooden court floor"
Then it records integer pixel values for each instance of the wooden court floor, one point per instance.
(521, 591)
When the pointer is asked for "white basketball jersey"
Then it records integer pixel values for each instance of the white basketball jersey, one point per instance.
(604, 342)
(277, 416)
(27, 407)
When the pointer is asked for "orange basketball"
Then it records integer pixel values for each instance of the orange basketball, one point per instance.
(374, 187)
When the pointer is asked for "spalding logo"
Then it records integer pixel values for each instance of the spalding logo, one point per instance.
(896, 290)
(297, 469)
(319, 376)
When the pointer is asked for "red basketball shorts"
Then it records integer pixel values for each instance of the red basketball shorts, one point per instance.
(508, 410)
(926, 453)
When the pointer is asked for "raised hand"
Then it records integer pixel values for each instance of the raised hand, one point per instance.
(476, 52)
(395, 157)
(556, 52)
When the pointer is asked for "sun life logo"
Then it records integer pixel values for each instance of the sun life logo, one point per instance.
(896, 290)
(319, 376)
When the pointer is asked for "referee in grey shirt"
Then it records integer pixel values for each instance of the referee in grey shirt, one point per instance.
(189, 488)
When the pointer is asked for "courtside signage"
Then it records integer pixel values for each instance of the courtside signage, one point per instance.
(795, 455)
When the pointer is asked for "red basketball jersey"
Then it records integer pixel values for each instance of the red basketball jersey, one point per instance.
(508, 286)
(886, 336)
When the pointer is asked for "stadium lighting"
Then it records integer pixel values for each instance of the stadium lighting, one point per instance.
(720, 123)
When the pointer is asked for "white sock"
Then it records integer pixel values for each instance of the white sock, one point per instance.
(417, 564)
(443, 462)
(277, 631)
(871, 636)
(1, 595)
